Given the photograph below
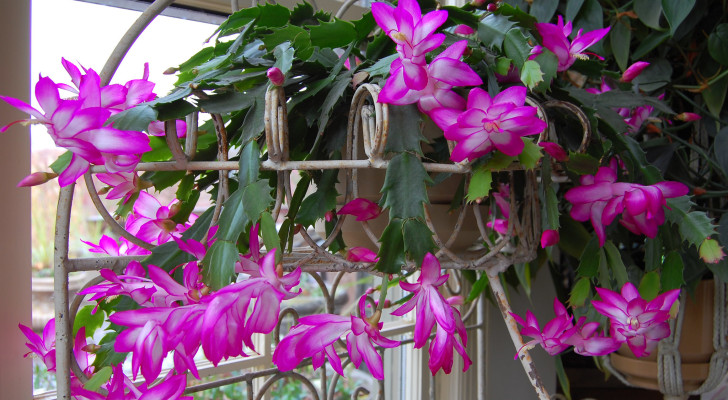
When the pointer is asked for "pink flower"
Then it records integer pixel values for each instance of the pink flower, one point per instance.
(633, 71)
(151, 221)
(687, 117)
(633, 320)
(44, 347)
(413, 34)
(443, 73)
(496, 123)
(463, 30)
(555, 151)
(123, 184)
(132, 283)
(109, 246)
(549, 237)
(361, 254)
(555, 335)
(36, 178)
(441, 347)
(249, 263)
(556, 39)
(362, 209)
(431, 306)
(120, 387)
(588, 341)
(500, 197)
(276, 77)
(601, 199)
(156, 128)
(314, 336)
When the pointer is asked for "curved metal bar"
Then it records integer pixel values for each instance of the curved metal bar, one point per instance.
(191, 135)
(580, 115)
(72, 311)
(131, 35)
(344, 8)
(288, 374)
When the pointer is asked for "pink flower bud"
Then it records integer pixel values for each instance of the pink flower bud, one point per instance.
(634, 70)
(36, 178)
(329, 216)
(464, 30)
(549, 237)
(361, 254)
(492, 7)
(554, 150)
(275, 76)
(687, 117)
(710, 251)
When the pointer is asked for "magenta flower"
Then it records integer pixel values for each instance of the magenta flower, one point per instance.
(123, 247)
(45, 347)
(633, 71)
(640, 323)
(250, 263)
(497, 123)
(120, 387)
(556, 38)
(413, 33)
(687, 117)
(156, 128)
(36, 178)
(443, 73)
(122, 184)
(314, 336)
(441, 347)
(549, 237)
(464, 30)
(151, 221)
(555, 335)
(601, 199)
(133, 283)
(555, 151)
(588, 341)
(276, 77)
(431, 306)
(500, 197)
(361, 254)
(362, 209)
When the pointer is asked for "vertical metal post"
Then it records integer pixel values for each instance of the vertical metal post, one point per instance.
(64, 341)
(481, 370)
(523, 356)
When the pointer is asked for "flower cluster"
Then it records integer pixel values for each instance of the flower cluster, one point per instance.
(601, 198)
(181, 318)
(433, 308)
(639, 323)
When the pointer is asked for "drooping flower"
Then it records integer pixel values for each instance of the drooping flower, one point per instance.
(314, 336)
(555, 151)
(441, 75)
(156, 128)
(431, 306)
(634, 71)
(151, 221)
(600, 199)
(122, 184)
(414, 35)
(687, 117)
(589, 341)
(44, 347)
(549, 237)
(640, 323)
(441, 347)
(36, 178)
(493, 123)
(500, 197)
(123, 247)
(362, 209)
(556, 333)
(361, 254)
(556, 38)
